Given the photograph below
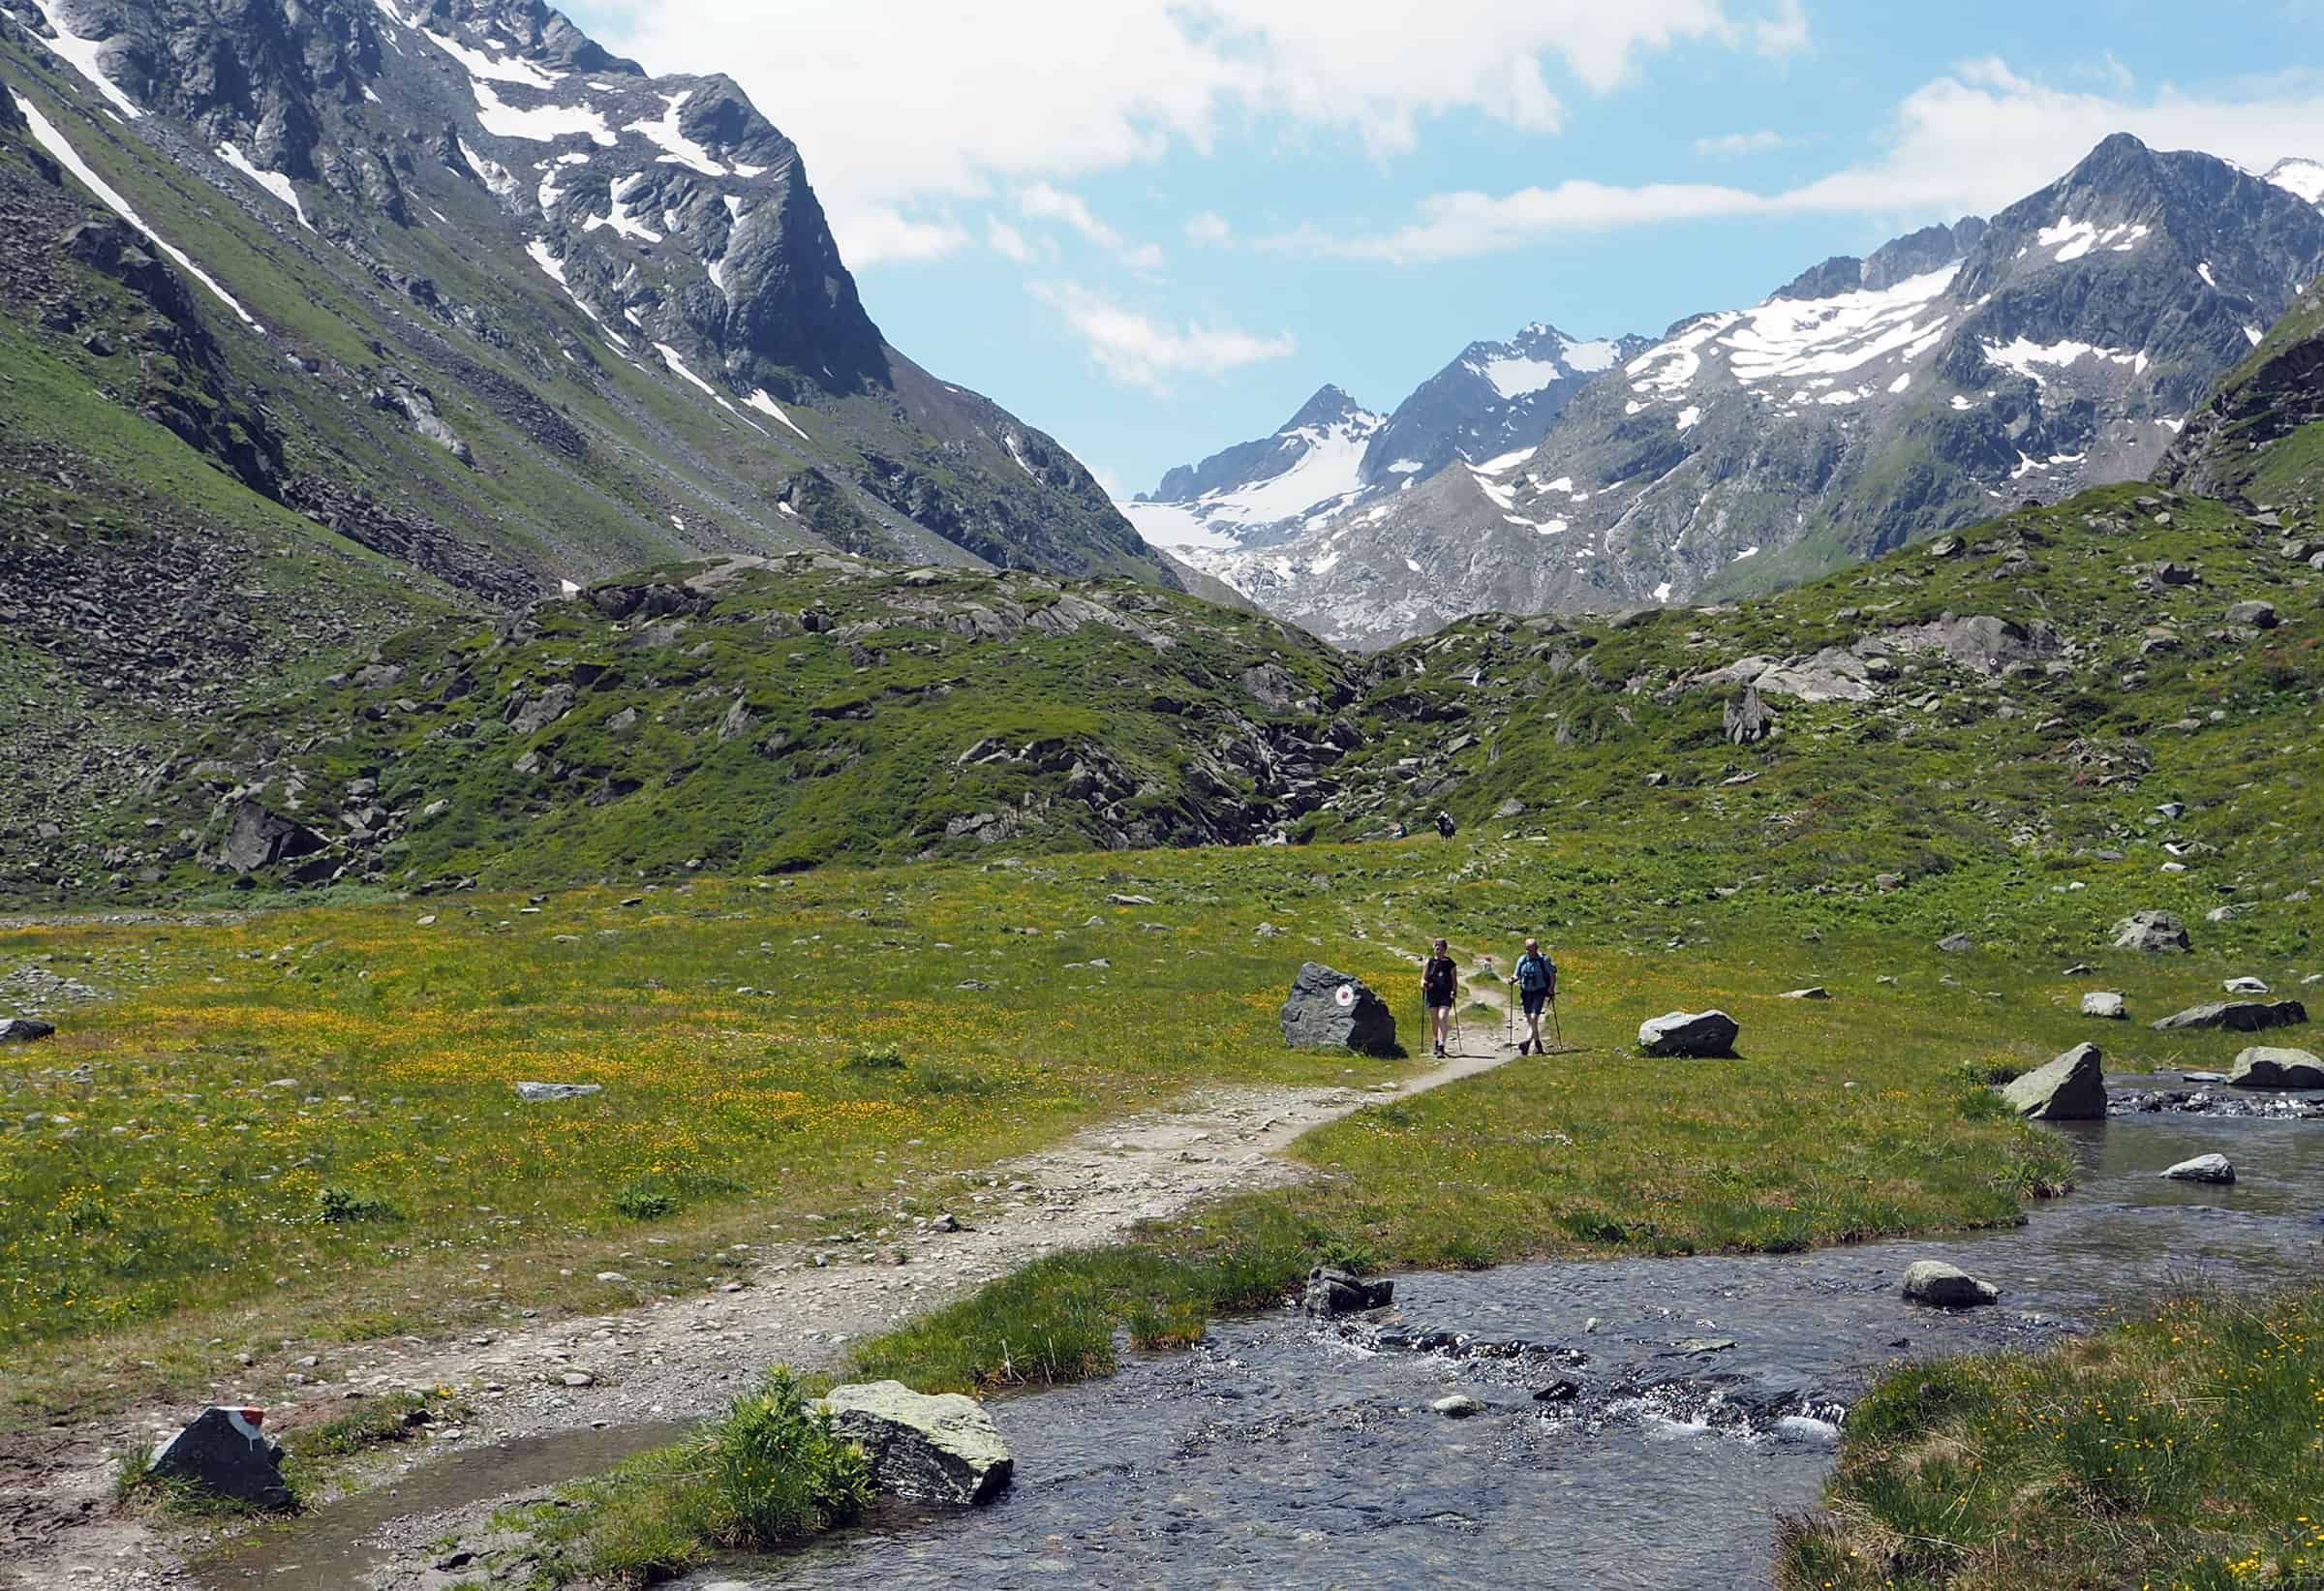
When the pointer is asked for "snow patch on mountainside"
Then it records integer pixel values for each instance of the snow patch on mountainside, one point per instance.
(1325, 475)
(2072, 239)
(2023, 355)
(80, 55)
(542, 123)
(274, 182)
(1790, 338)
(61, 148)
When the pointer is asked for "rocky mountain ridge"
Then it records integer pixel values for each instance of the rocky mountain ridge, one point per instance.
(1334, 456)
(514, 226)
(1956, 371)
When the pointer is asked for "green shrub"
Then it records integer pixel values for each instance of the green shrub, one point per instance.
(886, 1060)
(645, 1202)
(779, 1469)
(337, 1206)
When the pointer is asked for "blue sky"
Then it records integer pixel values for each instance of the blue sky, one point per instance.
(1152, 228)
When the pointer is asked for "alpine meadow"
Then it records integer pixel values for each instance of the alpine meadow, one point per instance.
(643, 943)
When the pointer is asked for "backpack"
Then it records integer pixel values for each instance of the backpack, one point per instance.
(1537, 975)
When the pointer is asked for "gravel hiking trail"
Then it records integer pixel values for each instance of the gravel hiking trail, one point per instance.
(682, 1358)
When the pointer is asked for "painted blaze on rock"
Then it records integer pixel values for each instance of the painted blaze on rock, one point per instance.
(926, 1448)
(1328, 1010)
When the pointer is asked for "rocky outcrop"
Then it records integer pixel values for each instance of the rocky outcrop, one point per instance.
(1941, 1286)
(2069, 1088)
(25, 1029)
(1330, 1010)
(2266, 1067)
(2153, 930)
(1703, 1036)
(926, 1449)
(256, 838)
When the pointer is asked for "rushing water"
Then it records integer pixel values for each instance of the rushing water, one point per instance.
(1689, 1407)
(1286, 1454)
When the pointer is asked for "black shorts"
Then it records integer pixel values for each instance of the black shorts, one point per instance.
(1435, 1004)
(1534, 1000)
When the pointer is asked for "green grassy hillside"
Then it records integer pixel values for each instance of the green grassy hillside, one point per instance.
(2015, 702)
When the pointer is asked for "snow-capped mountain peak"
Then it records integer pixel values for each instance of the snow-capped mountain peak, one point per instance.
(2304, 177)
(1956, 371)
(1259, 490)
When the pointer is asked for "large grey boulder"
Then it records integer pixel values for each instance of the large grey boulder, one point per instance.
(1328, 1010)
(926, 1448)
(23, 1029)
(2151, 931)
(1336, 1292)
(1946, 1286)
(2236, 1015)
(256, 838)
(2069, 1088)
(1707, 1033)
(2263, 1067)
(225, 1451)
(2111, 1007)
(2203, 1168)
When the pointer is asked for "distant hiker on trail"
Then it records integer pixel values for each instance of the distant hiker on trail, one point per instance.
(1537, 987)
(1440, 986)
(1445, 825)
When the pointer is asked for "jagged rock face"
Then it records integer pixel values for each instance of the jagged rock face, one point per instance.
(1951, 375)
(1487, 407)
(2261, 435)
(1496, 397)
(363, 140)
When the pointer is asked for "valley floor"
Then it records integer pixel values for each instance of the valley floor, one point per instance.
(277, 1159)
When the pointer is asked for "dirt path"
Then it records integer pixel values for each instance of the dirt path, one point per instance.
(680, 1359)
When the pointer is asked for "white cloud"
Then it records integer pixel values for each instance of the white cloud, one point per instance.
(1008, 242)
(1146, 74)
(1043, 202)
(1736, 145)
(1209, 228)
(1974, 140)
(880, 234)
(1138, 350)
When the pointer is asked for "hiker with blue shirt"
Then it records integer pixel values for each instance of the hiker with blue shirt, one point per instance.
(1535, 976)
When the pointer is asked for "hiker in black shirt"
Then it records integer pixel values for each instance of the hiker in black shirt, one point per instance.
(1440, 986)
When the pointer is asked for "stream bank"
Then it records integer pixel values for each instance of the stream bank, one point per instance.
(1689, 1402)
